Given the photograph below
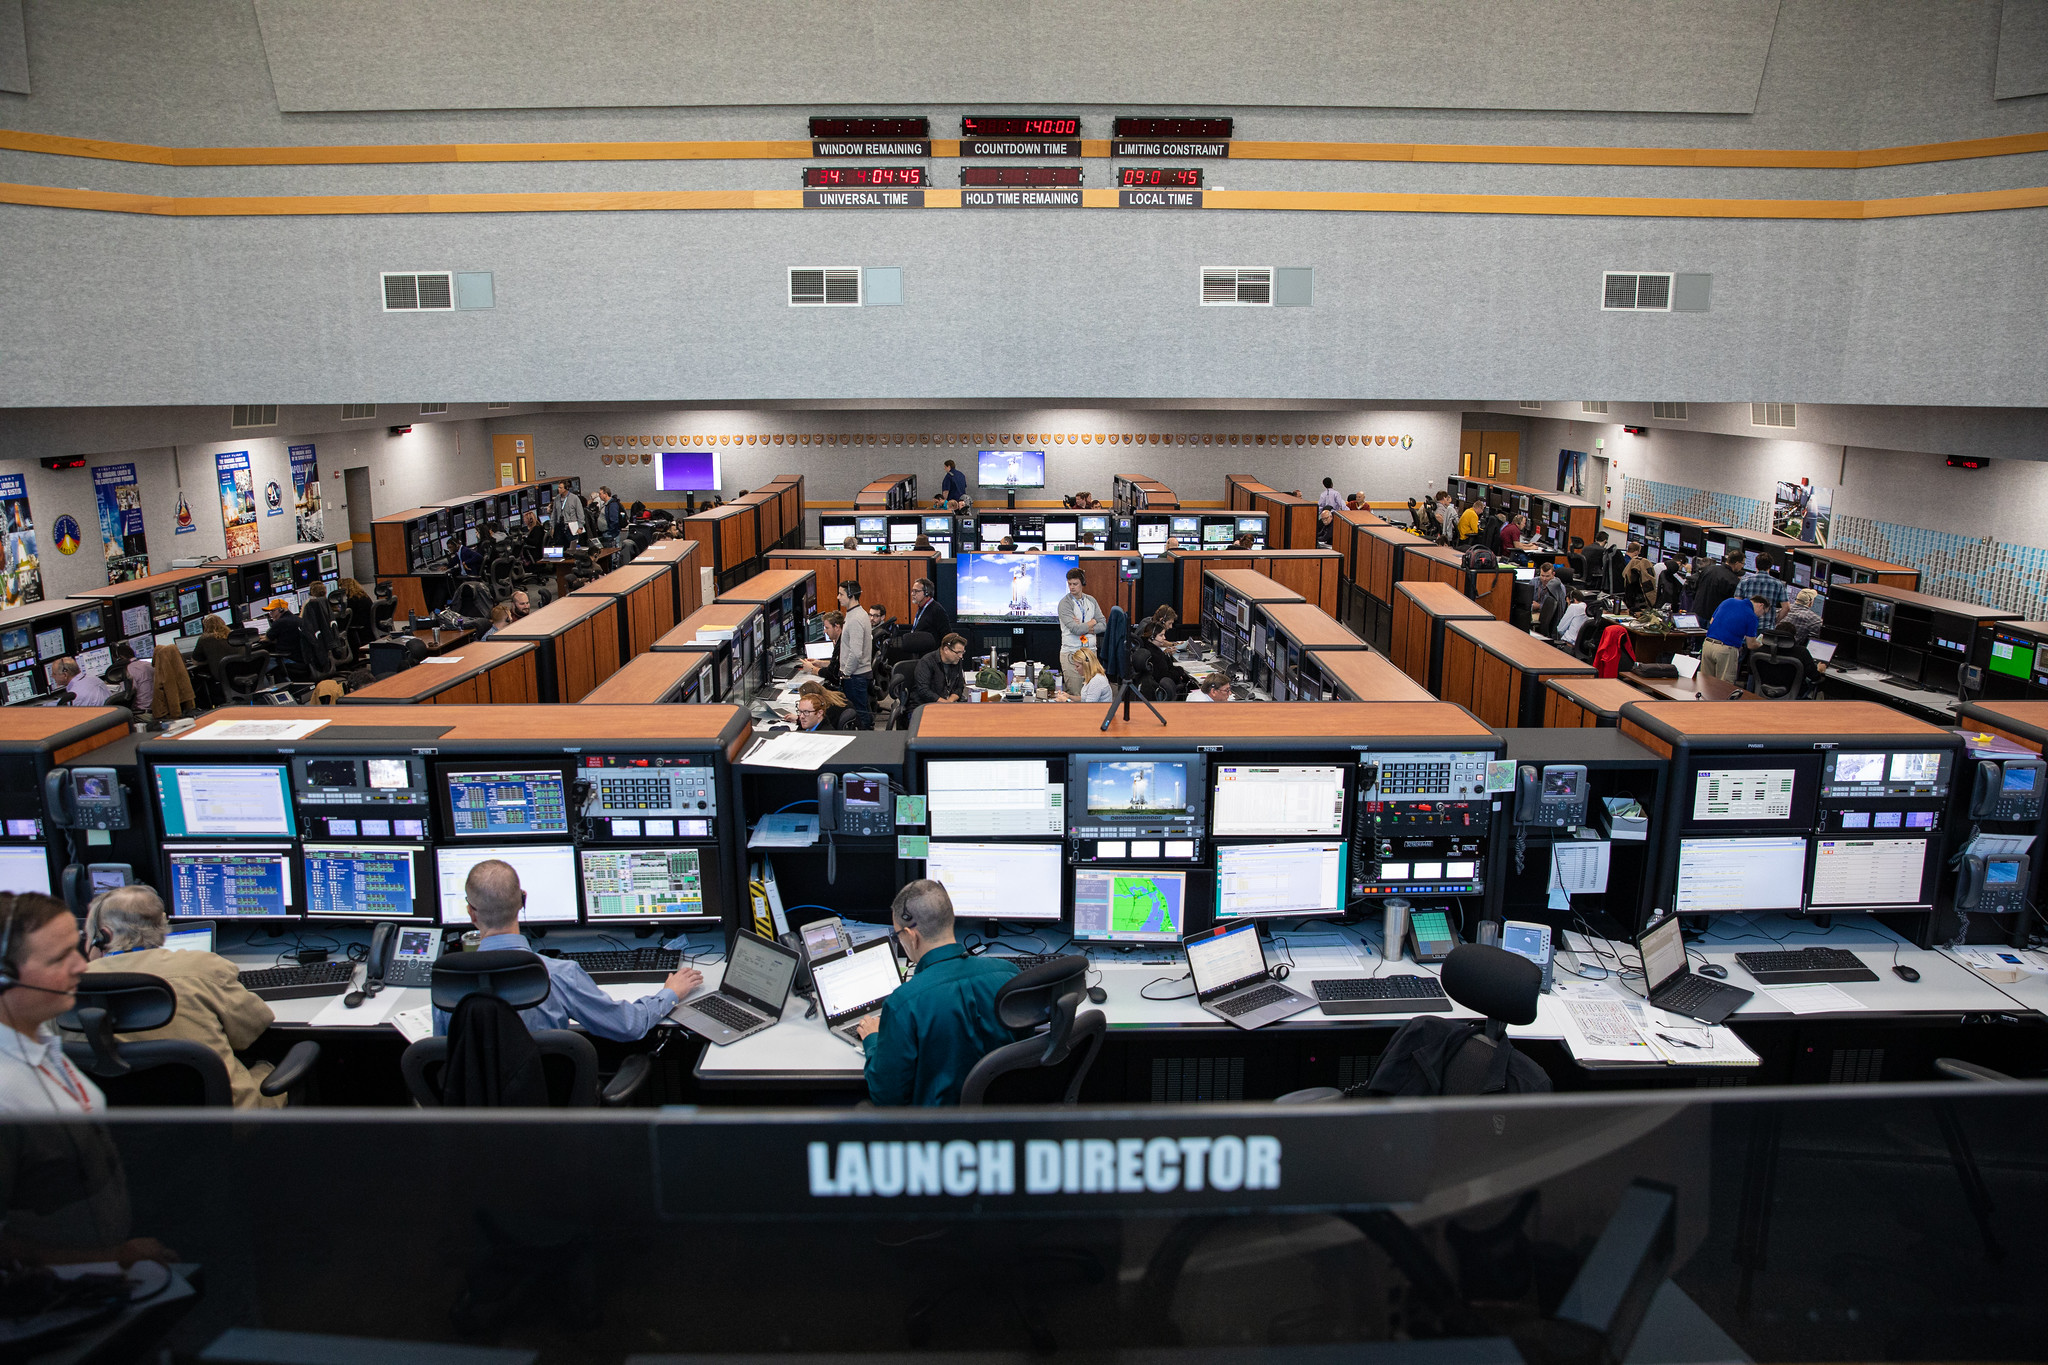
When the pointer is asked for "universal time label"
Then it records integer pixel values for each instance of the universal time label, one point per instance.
(1020, 199)
(863, 199)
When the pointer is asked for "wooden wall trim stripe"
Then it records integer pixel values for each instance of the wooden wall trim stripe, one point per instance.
(101, 149)
(1298, 201)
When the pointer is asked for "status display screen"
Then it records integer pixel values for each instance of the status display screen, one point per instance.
(501, 803)
(834, 177)
(1019, 125)
(996, 177)
(1172, 177)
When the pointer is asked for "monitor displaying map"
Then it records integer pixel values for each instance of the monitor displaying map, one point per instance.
(1129, 906)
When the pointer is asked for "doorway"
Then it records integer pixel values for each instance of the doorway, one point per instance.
(355, 490)
(512, 455)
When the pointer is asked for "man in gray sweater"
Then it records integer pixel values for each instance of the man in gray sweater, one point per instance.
(1081, 623)
(856, 655)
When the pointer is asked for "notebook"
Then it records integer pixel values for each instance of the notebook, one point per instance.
(1686, 664)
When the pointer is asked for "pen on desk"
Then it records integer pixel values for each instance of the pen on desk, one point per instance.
(1680, 1042)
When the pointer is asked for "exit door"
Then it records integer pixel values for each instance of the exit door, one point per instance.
(355, 491)
(513, 456)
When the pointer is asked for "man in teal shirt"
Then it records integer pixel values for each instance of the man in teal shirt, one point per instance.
(934, 1027)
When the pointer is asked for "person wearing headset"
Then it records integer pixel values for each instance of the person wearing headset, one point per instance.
(124, 932)
(40, 965)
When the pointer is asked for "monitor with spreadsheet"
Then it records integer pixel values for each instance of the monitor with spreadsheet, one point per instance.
(1277, 798)
(230, 881)
(1130, 905)
(547, 874)
(1279, 880)
(224, 800)
(24, 868)
(363, 881)
(1869, 874)
(998, 881)
(495, 803)
(1740, 874)
(648, 885)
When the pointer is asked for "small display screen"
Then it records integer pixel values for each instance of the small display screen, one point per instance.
(1174, 127)
(2019, 779)
(86, 621)
(1916, 767)
(871, 127)
(1859, 767)
(1131, 907)
(996, 177)
(331, 772)
(643, 883)
(50, 643)
(1171, 177)
(135, 620)
(1019, 125)
(895, 177)
(14, 640)
(501, 803)
(351, 882)
(2011, 655)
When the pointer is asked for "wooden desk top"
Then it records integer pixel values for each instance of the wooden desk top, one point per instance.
(1856, 561)
(544, 724)
(841, 552)
(61, 725)
(1310, 627)
(766, 584)
(1369, 676)
(554, 618)
(1443, 600)
(424, 680)
(619, 582)
(165, 579)
(1224, 552)
(450, 638)
(643, 678)
(1360, 517)
(667, 551)
(1604, 696)
(720, 512)
(266, 556)
(1948, 605)
(2024, 722)
(35, 611)
(1518, 647)
(717, 616)
(1828, 719)
(1674, 519)
(1694, 690)
(1253, 585)
(1442, 554)
(1335, 723)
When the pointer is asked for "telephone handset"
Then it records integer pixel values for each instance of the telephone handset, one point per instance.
(1992, 885)
(400, 955)
(857, 803)
(2010, 790)
(383, 942)
(85, 798)
(1555, 797)
(81, 882)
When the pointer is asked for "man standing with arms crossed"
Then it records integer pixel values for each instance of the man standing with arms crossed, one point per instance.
(856, 654)
(1080, 622)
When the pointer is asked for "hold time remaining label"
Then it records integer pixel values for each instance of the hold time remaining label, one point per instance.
(1020, 199)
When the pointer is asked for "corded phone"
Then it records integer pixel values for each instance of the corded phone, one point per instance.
(858, 803)
(402, 954)
(86, 798)
(1555, 798)
(2010, 790)
(81, 882)
(1992, 885)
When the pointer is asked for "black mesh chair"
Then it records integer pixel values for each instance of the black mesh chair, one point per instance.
(241, 676)
(517, 980)
(156, 1071)
(899, 690)
(1775, 675)
(1046, 998)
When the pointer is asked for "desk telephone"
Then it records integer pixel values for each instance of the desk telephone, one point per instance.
(1554, 798)
(1992, 885)
(2010, 790)
(402, 955)
(86, 798)
(858, 803)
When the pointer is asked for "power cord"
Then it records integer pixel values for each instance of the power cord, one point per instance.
(1144, 990)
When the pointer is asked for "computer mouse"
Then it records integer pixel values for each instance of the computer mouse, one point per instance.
(352, 1000)
(1715, 970)
(1905, 973)
(1097, 995)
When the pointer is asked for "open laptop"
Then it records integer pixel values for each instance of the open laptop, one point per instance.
(854, 984)
(1688, 665)
(1685, 620)
(1822, 651)
(1232, 980)
(552, 552)
(758, 974)
(1672, 985)
(198, 939)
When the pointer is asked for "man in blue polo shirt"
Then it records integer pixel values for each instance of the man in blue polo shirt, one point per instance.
(1735, 624)
(934, 1027)
(953, 488)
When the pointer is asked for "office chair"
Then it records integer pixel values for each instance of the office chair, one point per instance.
(1045, 998)
(899, 691)
(241, 676)
(394, 654)
(486, 991)
(384, 609)
(1773, 676)
(159, 1071)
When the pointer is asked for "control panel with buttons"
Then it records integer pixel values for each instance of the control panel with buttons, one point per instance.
(663, 785)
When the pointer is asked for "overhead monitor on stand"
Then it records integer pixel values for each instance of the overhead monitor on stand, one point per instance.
(1010, 470)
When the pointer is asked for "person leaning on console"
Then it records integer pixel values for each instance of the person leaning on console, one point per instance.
(495, 898)
(933, 1028)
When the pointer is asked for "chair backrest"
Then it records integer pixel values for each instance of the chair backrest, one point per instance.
(1776, 677)
(156, 1071)
(1047, 997)
(568, 1070)
(1492, 981)
(1432, 1055)
(513, 975)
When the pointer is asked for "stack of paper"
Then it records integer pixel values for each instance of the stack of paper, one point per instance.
(1616, 1032)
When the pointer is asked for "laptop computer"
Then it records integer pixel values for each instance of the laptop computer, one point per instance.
(1688, 665)
(1822, 651)
(1685, 620)
(758, 974)
(1232, 980)
(853, 985)
(552, 552)
(1671, 982)
(198, 939)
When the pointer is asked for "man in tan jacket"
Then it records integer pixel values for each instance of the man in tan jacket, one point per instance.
(124, 932)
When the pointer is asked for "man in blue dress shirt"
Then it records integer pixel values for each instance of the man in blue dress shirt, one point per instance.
(934, 1027)
(495, 899)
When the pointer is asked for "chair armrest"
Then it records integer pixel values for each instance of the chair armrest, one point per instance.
(296, 1066)
(629, 1080)
(1956, 1069)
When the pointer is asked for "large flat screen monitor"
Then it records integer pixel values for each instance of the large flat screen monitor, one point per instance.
(1145, 807)
(547, 874)
(1763, 874)
(998, 881)
(500, 802)
(687, 471)
(1129, 905)
(1011, 469)
(229, 881)
(1279, 880)
(363, 881)
(1868, 874)
(24, 869)
(645, 885)
(1277, 798)
(224, 800)
(1765, 792)
(994, 589)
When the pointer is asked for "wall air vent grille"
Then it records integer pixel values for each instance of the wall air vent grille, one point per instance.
(1629, 291)
(1773, 414)
(837, 286)
(1600, 408)
(355, 412)
(255, 415)
(1237, 285)
(419, 292)
(1670, 412)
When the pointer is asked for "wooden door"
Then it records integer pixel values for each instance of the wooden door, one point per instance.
(512, 453)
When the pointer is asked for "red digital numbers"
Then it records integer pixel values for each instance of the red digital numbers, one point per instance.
(1001, 125)
(893, 177)
(1167, 177)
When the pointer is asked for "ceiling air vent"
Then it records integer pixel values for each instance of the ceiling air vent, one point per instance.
(355, 412)
(1670, 412)
(837, 286)
(1237, 285)
(433, 409)
(1773, 415)
(255, 415)
(1593, 407)
(419, 292)
(494, 407)
(1625, 291)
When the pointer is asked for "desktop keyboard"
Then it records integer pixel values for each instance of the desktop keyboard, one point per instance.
(1403, 994)
(726, 1013)
(627, 964)
(299, 983)
(1253, 1000)
(1805, 966)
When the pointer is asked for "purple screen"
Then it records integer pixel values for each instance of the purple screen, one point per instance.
(688, 470)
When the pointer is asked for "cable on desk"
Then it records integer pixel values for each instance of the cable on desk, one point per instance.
(1168, 980)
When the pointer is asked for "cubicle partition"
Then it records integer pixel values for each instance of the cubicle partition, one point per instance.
(1134, 493)
(580, 644)
(790, 597)
(1497, 672)
(1241, 491)
(645, 591)
(1586, 703)
(1909, 636)
(730, 540)
(662, 678)
(1493, 589)
(1421, 608)
(495, 672)
(1312, 573)
(735, 635)
(1291, 520)
(33, 740)
(1357, 675)
(688, 563)
(884, 579)
(889, 493)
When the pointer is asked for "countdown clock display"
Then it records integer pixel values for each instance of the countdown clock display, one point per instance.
(1195, 129)
(992, 177)
(1020, 125)
(881, 136)
(1160, 177)
(849, 177)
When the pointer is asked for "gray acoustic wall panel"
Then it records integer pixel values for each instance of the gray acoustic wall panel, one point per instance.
(1673, 56)
(1294, 286)
(13, 48)
(2022, 50)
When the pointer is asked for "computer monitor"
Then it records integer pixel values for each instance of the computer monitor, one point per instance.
(224, 800)
(135, 619)
(1094, 523)
(24, 868)
(998, 881)
(1277, 798)
(496, 803)
(992, 532)
(1187, 530)
(832, 531)
(903, 532)
(2011, 654)
(1877, 618)
(14, 640)
(1802, 574)
(191, 601)
(1061, 534)
(50, 643)
(1868, 874)
(1766, 873)
(328, 564)
(197, 939)
(1671, 539)
(1151, 537)
(1129, 905)
(940, 525)
(363, 881)
(94, 662)
(1766, 792)
(85, 622)
(872, 530)
(1011, 469)
(228, 881)
(649, 885)
(1279, 880)
(20, 687)
(1218, 533)
(1000, 589)
(1144, 807)
(547, 874)
(1717, 547)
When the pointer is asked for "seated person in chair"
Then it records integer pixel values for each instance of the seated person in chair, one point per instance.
(41, 941)
(84, 688)
(495, 899)
(287, 631)
(1215, 687)
(934, 1027)
(124, 932)
(211, 645)
(818, 707)
(939, 677)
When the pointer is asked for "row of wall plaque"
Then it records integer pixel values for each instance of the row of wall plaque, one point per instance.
(994, 438)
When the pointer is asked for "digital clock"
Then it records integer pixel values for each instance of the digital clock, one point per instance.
(1173, 127)
(1019, 175)
(871, 127)
(1167, 177)
(840, 177)
(1018, 125)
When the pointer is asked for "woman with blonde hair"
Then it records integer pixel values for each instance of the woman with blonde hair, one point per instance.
(1095, 685)
(818, 707)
